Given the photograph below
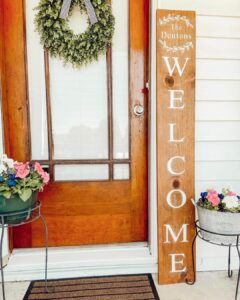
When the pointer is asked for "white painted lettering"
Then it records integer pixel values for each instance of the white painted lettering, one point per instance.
(183, 198)
(176, 65)
(176, 96)
(172, 138)
(177, 263)
(170, 167)
(175, 237)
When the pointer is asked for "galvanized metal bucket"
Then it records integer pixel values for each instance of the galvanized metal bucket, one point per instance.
(219, 222)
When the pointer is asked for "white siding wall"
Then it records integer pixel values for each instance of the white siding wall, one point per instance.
(218, 102)
(217, 116)
(217, 105)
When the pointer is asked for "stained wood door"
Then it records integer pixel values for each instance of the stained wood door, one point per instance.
(90, 199)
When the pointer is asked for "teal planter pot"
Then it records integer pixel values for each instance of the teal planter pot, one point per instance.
(16, 205)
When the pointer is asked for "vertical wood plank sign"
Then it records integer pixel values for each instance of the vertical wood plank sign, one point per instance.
(175, 143)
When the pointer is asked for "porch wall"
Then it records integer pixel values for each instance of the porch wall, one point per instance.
(217, 104)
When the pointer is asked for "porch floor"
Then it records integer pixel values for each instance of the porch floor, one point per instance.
(209, 286)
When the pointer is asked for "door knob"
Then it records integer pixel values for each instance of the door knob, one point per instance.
(138, 110)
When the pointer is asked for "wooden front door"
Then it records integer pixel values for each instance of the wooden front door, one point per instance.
(81, 126)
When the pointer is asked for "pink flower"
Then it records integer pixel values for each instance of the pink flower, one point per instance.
(45, 177)
(22, 170)
(38, 168)
(21, 166)
(213, 197)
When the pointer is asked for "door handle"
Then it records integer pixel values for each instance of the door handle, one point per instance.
(138, 110)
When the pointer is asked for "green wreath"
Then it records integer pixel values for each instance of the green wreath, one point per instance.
(60, 41)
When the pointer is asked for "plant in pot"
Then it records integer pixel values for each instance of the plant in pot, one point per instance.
(19, 187)
(219, 213)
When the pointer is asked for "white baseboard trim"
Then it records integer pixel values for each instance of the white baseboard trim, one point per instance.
(28, 264)
(214, 258)
(219, 263)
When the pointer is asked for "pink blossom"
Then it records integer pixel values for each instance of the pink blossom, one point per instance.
(21, 166)
(22, 173)
(213, 197)
(45, 177)
(22, 170)
(38, 168)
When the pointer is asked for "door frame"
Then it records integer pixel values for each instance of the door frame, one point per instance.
(26, 264)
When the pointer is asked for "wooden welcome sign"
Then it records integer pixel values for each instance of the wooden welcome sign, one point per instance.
(175, 143)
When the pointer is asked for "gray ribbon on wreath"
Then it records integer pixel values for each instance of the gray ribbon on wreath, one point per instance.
(89, 7)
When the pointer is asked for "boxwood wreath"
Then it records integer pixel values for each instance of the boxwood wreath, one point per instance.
(60, 41)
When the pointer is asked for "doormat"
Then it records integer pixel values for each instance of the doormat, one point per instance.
(126, 287)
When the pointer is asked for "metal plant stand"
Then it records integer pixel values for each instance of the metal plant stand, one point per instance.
(31, 214)
(236, 244)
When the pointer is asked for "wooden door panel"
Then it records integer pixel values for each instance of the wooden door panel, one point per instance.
(87, 229)
(78, 213)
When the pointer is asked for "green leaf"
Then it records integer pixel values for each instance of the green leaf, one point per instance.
(57, 37)
(26, 194)
(4, 188)
(7, 194)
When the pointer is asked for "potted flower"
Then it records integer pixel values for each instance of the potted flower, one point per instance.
(19, 187)
(219, 213)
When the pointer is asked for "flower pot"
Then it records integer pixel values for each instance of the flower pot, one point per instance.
(219, 222)
(16, 205)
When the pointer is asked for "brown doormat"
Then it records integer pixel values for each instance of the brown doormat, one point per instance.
(126, 287)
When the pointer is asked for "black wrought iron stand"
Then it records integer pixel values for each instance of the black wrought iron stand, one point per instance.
(31, 215)
(235, 244)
